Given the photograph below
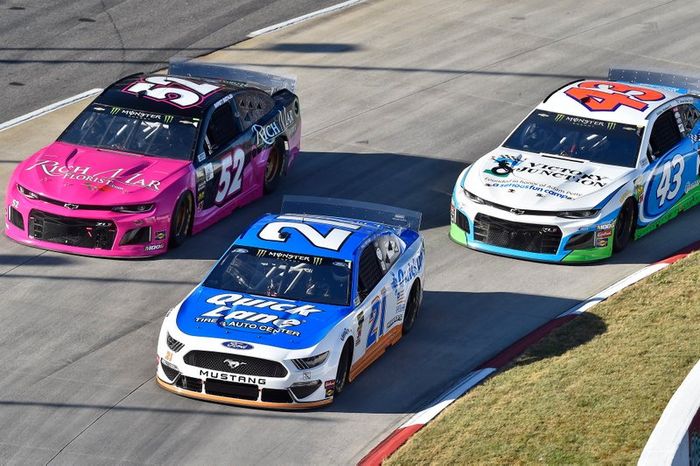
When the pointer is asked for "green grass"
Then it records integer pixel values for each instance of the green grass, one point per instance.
(590, 392)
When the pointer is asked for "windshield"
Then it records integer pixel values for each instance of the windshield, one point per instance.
(127, 130)
(581, 138)
(283, 275)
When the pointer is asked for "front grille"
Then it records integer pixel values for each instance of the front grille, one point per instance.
(84, 233)
(461, 221)
(16, 218)
(231, 389)
(189, 383)
(543, 239)
(233, 363)
(169, 372)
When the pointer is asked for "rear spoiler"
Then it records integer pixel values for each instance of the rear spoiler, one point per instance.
(691, 84)
(343, 208)
(236, 75)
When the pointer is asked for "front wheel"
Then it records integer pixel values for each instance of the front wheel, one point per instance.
(624, 226)
(181, 220)
(341, 376)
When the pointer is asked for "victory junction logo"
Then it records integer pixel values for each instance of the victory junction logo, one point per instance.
(504, 165)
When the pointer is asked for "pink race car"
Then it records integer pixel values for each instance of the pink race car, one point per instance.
(154, 159)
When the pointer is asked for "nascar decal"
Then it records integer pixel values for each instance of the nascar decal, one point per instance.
(227, 314)
(54, 168)
(179, 92)
(603, 96)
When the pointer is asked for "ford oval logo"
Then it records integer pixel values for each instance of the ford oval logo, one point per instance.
(239, 345)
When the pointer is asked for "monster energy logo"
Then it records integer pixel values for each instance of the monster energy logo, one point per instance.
(611, 125)
(115, 110)
(168, 118)
(559, 117)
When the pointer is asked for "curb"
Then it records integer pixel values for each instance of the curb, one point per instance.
(399, 436)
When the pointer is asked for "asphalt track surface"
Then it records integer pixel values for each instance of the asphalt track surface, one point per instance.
(397, 96)
(50, 50)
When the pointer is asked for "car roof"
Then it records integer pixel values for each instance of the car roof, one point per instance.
(354, 233)
(116, 95)
(566, 101)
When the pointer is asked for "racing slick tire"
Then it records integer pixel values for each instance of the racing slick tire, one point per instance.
(181, 221)
(343, 372)
(273, 169)
(624, 226)
(412, 306)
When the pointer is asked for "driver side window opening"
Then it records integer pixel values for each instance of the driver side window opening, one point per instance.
(370, 272)
(221, 130)
(665, 135)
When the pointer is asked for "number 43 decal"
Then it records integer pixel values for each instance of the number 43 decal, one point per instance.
(603, 96)
(671, 180)
(228, 184)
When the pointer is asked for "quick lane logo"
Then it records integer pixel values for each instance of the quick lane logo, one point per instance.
(226, 316)
(504, 165)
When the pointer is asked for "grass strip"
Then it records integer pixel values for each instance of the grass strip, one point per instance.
(589, 392)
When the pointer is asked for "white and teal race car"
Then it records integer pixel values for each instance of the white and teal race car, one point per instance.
(596, 164)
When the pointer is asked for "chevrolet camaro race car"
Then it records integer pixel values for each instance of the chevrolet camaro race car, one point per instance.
(299, 305)
(596, 164)
(154, 159)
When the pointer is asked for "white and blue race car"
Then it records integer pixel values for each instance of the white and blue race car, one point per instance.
(298, 306)
(595, 165)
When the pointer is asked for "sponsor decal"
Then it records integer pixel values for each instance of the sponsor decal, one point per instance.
(329, 386)
(208, 172)
(691, 185)
(15, 203)
(401, 278)
(89, 174)
(345, 333)
(209, 374)
(237, 345)
(504, 165)
(265, 135)
(605, 226)
(169, 355)
(201, 157)
(160, 235)
(603, 234)
(601, 243)
(360, 321)
(228, 314)
(154, 247)
(223, 101)
(394, 320)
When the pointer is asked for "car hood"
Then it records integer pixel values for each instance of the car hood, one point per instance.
(213, 313)
(84, 175)
(530, 181)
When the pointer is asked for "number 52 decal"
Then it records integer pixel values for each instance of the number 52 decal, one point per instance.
(228, 184)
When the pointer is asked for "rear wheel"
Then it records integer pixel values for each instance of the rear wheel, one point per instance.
(181, 221)
(624, 226)
(412, 306)
(273, 169)
(341, 376)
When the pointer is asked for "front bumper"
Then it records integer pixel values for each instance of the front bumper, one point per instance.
(274, 384)
(102, 233)
(533, 237)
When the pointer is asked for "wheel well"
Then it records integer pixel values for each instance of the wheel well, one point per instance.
(187, 192)
(350, 343)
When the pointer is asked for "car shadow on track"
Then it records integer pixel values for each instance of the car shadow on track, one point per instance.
(407, 181)
(444, 345)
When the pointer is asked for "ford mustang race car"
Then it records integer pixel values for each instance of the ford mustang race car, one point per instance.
(154, 159)
(596, 164)
(299, 305)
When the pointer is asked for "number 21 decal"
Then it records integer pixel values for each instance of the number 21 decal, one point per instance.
(376, 320)
(603, 96)
(230, 185)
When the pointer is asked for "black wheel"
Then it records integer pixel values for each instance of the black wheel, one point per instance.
(341, 376)
(181, 221)
(624, 226)
(412, 306)
(273, 169)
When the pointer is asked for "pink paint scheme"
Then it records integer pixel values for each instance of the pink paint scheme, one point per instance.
(63, 174)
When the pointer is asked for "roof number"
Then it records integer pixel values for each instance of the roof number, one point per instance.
(332, 240)
(603, 96)
(176, 91)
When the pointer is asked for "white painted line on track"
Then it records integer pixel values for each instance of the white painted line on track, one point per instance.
(49, 108)
(303, 18)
